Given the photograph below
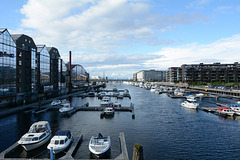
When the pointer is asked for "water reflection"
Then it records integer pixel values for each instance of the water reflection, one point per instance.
(164, 128)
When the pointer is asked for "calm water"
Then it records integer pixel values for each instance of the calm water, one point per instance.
(161, 126)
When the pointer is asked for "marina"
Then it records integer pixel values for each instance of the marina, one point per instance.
(162, 116)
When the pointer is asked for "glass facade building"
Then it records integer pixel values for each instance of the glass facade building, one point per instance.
(44, 69)
(27, 69)
(7, 64)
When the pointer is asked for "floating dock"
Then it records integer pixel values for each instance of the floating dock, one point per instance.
(73, 149)
(124, 154)
(209, 109)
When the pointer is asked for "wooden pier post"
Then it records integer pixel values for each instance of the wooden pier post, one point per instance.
(137, 152)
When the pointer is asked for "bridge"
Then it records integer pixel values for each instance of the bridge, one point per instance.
(110, 80)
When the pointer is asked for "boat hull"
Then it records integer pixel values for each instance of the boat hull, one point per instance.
(226, 113)
(32, 146)
(189, 105)
(57, 150)
(99, 150)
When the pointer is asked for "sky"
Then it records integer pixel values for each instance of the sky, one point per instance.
(116, 38)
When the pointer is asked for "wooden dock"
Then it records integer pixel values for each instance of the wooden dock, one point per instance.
(9, 150)
(72, 150)
(124, 154)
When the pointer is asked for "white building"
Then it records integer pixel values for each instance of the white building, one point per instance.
(150, 75)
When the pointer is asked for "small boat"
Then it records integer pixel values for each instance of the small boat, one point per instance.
(38, 134)
(178, 92)
(190, 96)
(100, 145)
(126, 93)
(235, 108)
(200, 95)
(153, 89)
(56, 102)
(225, 111)
(190, 103)
(66, 108)
(116, 105)
(60, 141)
(105, 102)
(109, 111)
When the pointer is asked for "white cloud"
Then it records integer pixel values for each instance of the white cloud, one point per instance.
(97, 25)
(198, 3)
(225, 50)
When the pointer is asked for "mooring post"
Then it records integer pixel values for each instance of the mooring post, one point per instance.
(51, 154)
(137, 152)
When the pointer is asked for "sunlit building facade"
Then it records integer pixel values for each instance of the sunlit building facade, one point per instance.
(151, 75)
(7, 65)
(174, 74)
(216, 72)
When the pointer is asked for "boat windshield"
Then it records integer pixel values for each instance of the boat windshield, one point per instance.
(97, 141)
(37, 128)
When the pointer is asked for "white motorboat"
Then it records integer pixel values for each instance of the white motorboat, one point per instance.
(126, 93)
(60, 141)
(200, 95)
(190, 96)
(100, 145)
(105, 102)
(38, 134)
(190, 103)
(178, 92)
(56, 102)
(226, 111)
(109, 111)
(235, 108)
(153, 89)
(66, 108)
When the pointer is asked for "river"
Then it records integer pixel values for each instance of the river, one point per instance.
(164, 128)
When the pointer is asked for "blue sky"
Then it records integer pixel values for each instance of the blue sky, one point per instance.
(121, 37)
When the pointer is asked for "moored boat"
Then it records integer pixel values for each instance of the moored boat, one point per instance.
(100, 145)
(66, 108)
(235, 108)
(190, 103)
(60, 141)
(105, 102)
(109, 111)
(56, 102)
(225, 111)
(38, 134)
(200, 95)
